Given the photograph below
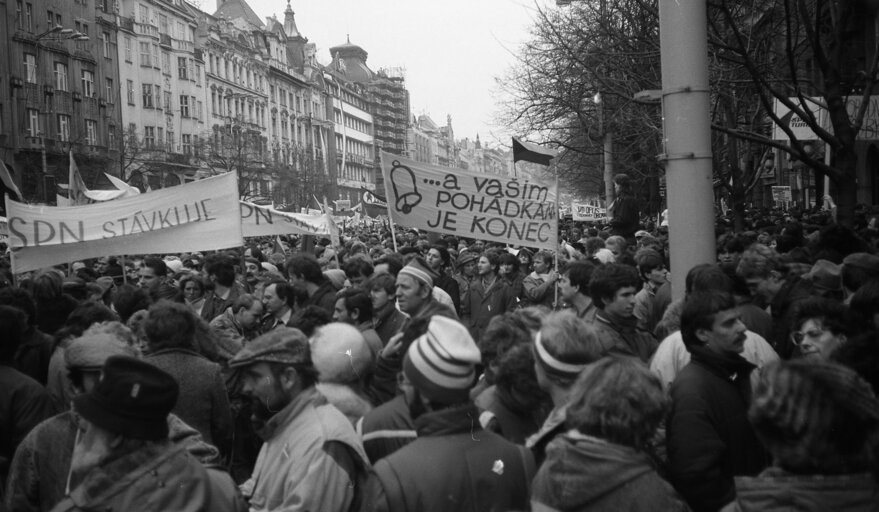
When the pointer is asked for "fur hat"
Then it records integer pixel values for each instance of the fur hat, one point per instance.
(441, 363)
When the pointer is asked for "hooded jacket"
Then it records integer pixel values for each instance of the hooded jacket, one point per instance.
(585, 473)
(776, 490)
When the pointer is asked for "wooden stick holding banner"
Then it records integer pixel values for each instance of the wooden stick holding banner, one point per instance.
(555, 171)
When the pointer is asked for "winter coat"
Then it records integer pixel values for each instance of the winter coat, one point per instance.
(538, 291)
(52, 314)
(311, 459)
(214, 305)
(38, 475)
(203, 403)
(502, 414)
(621, 336)
(386, 429)
(388, 322)
(159, 476)
(588, 474)
(24, 403)
(624, 216)
(348, 401)
(776, 490)
(324, 296)
(453, 465)
(484, 304)
(709, 438)
(449, 285)
(553, 426)
(33, 355)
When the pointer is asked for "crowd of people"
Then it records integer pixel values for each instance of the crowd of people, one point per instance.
(430, 373)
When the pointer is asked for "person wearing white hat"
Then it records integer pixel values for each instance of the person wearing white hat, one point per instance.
(470, 468)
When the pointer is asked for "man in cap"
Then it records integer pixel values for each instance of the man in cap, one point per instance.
(123, 458)
(38, 473)
(470, 468)
(415, 291)
(311, 458)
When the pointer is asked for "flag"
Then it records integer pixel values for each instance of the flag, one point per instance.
(279, 247)
(8, 183)
(75, 186)
(334, 230)
(531, 152)
(128, 190)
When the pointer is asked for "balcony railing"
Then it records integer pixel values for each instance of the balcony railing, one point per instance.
(145, 29)
(179, 44)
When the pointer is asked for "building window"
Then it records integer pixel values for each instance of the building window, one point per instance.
(29, 17)
(143, 14)
(181, 68)
(127, 49)
(91, 132)
(166, 63)
(30, 68)
(33, 122)
(19, 14)
(198, 110)
(158, 97)
(167, 102)
(198, 74)
(111, 136)
(147, 93)
(50, 19)
(184, 106)
(160, 137)
(163, 24)
(106, 39)
(88, 84)
(149, 136)
(186, 140)
(61, 76)
(108, 83)
(144, 54)
(63, 128)
(129, 89)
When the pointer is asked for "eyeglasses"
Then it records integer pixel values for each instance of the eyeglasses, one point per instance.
(797, 337)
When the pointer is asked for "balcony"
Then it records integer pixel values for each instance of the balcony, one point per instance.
(146, 29)
(179, 44)
(126, 24)
(165, 41)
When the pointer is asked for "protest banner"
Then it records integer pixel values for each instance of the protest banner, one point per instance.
(587, 212)
(468, 204)
(197, 216)
(264, 221)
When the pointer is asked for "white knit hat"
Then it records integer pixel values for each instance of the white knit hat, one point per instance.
(441, 363)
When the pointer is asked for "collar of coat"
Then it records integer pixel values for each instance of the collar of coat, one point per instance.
(307, 397)
(728, 365)
(449, 421)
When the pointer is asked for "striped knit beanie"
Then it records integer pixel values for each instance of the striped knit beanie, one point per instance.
(441, 364)
(815, 416)
(419, 270)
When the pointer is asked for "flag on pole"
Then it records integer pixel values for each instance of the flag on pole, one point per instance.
(531, 152)
(128, 190)
(76, 188)
(8, 183)
(334, 230)
(279, 247)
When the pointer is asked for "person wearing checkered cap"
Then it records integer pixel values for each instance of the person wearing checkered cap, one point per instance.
(470, 468)
(311, 458)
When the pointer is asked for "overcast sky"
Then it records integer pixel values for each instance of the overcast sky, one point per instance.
(452, 50)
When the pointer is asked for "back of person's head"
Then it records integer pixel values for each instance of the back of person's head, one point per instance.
(579, 274)
(357, 267)
(393, 261)
(618, 399)
(294, 296)
(21, 299)
(310, 318)
(244, 301)
(160, 269)
(647, 261)
(340, 354)
(861, 353)
(305, 267)
(758, 261)
(608, 279)
(129, 299)
(564, 346)
(170, 325)
(707, 277)
(13, 324)
(83, 317)
(516, 381)
(816, 417)
(222, 269)
(503, 332)
(46, 286)
(699, 311)
(864, 306)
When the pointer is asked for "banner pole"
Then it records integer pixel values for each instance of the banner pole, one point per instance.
(124, 272)
(555, 169)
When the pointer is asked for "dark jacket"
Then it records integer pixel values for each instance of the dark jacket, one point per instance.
(324, 296)
(584, 473)
(776, 490)
(38, 475)
(709, 437)
(386, 429)
(33, 355)
(449, 285)
(624, 213)
(453, 465)
(52, 314)
(484, 304)
(24, 403)
(389, 322)
(159, 476)
(508, 417)
(214, 305)
(203, 403)
(621, 336)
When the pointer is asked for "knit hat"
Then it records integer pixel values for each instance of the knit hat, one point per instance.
(798, 408)
(553, 365)
(466, 257)
(336, 277)
(441, 363)
(825, 275)
(340, 353)
(281, 345)
(133, 398)
(419, 270)
(91, 352)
